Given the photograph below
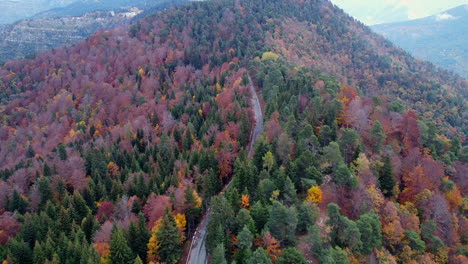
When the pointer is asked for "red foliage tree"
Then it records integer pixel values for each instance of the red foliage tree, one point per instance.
(105, 209)
(104, 233)
(415, 182)
(273, 127)
(391, 226)
(436, 208)
(154, 208)
(8, 227)
(410, 130)
(225, 157)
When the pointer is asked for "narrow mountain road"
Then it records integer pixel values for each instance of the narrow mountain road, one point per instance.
(197, 253)
(258, 129)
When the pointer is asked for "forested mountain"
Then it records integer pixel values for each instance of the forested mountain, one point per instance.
(440, 39)
(113, 148)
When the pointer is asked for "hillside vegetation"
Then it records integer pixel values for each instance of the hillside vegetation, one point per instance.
(113, 148)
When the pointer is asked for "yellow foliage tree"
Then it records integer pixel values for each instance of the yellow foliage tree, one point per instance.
(141, 72)
(218, 88)
(72, 133)
(198, 199)
(361, 163)
(464, 205)
(376, 196)
(245, 201)
(406, 255)
(384, 257)
(181, 223)
(314, 194)
(268, 161)
(180, 220)
(274, 195)
(154, 244)
(269, 56)
(454, 197)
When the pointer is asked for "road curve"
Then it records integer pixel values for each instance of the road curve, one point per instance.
(197, 252)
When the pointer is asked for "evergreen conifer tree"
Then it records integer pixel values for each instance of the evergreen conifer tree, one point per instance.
(138, 237)
(120, 253)
(386, 181)
(169, 239)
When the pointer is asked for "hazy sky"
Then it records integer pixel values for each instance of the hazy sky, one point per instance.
(383, 11)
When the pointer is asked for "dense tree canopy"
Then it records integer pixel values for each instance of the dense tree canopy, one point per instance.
(113, 148)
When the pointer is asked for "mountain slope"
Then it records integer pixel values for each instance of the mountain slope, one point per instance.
(440, 39)
(328, 39)
(113, 147)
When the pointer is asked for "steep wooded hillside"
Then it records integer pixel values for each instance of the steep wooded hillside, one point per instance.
(323, 37)
(112, 148)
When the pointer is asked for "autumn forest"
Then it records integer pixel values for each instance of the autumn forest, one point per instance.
(114, 149)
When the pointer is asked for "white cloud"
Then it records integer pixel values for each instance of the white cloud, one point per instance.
(445, 16)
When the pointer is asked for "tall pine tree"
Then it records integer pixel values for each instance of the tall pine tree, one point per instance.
(138, 237)
(120, 253)
(386, 181)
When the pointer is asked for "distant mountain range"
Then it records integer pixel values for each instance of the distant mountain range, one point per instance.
(440, 39)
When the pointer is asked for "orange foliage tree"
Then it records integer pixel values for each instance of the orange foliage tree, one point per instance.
(104, 251)
(410, 130)
(454, 197)
(272, 246)
(391, 226)
(245, 201)
(113, 169)
(415, 182)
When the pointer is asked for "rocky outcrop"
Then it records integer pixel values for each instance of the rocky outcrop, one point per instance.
(30, 36)
(14, 10)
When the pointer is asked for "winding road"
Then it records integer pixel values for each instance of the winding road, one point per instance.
(197, 253)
